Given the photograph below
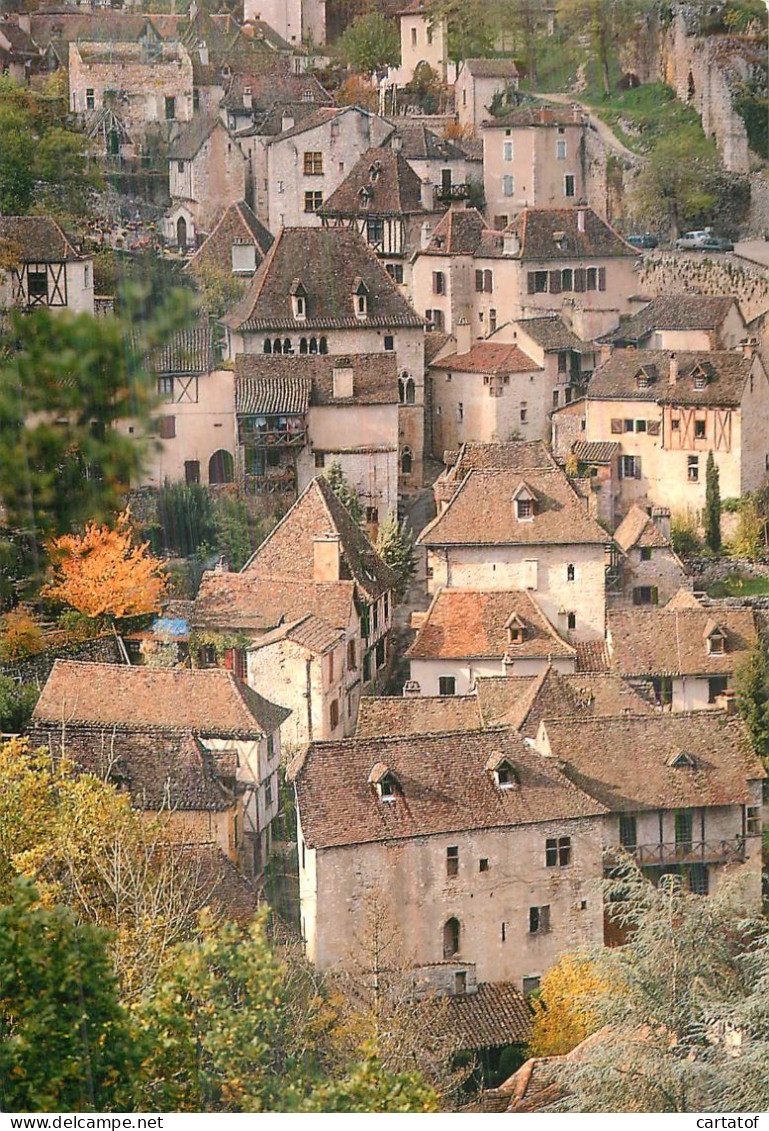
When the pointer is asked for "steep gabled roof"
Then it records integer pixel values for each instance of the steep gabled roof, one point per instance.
(676, 312)
(288, 551)
(193, 135)
(671, 641)
(468, 623)
(416, 714)
(492, 68)
(380, 183)
(726, 374)
(489, 357)
(481, 512)
(458, 233)
(37, 239)
(310, 632)
(419, 143)
(445, 787)
(554, 234)
(207, 701)
(237, 225)
(637, 529)
(551, 333)
(238, 602)
(329, 261)
(536, 114)
(268, 379)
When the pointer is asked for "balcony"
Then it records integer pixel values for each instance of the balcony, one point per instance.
(275, 438)
(282, 483)
(689, 852)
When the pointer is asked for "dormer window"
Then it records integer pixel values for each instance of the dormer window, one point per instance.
(360, 299)
(699, 377)
(375, 171)
(385, 782)
(717, 644)
(515, 629)
(682, 759)
(364, 198)
(298, 300)
(503, 772)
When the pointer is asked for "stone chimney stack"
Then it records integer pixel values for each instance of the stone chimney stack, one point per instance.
(287, 122)
(660, 516)
(248, 98)
(327, 557)
(427, 195)
(425, 235)
(748, 347)
(673, 371)
(203, 53)
(511, 244)
(606, 352)
(397, 144)
(464, 334)
(581, 220)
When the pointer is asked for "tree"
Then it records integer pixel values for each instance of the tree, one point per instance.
(685, 1005)
(17, 702)
(20, 636)
(472, 28)
(678, 192)
(347, 495)
(65, 1041)
(68, 382)
(394, 545)
(751, 683)
(750, 540)
(712, 516)
(370, 44)
(565, 1012)
(102, 573)
(367, 1088)
(186, 518)
(17, 176)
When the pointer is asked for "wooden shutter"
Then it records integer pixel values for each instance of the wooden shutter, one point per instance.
(530, 283)
(653, 427)
(601, 278)
(638, 467)
(579, 279)
(616, 427)
(488, 282)
(167, 427)
(555, 282)
(655, 595)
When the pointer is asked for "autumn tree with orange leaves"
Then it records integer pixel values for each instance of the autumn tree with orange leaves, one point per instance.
(104, 573)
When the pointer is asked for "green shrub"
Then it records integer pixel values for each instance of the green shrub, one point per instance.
(684, 533)
(186, 518)
(17, 702)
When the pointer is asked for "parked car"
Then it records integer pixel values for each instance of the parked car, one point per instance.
(647, 240)
(718, 243)
(692, 241)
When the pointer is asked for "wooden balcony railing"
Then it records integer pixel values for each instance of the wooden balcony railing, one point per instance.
(688, 852)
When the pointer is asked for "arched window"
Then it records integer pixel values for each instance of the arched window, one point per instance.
(276, 346)
(181, 234)
(221, 468)
(323, 346)
(267, 345)
(303, 345)
(450, 938)
(570, 572)
(411, 391)
(287, 348)
(313, 345)
(401, 392)
(407, 461)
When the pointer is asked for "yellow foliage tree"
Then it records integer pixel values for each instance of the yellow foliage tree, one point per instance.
(20, 635)
(103, 573)
(566, 1011)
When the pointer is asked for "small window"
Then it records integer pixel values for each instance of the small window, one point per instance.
(452, 861)
(333, 714)
(571, 621)
(525, 508)
(270, 747)
(460, 982)
(167, 427)
(508, 185)
(530, 985)
(192, 471)
(560, 149)
(320, 459)
(460, 412)
(628, 835)
(395, 271)
(313, 164)
(627, 425)
(447, 685)
(352, 660)
(591, 279)
(413, 37)
(524, 412)
(568, 185)
(699, 430)
(268, 792)
(372, 518)
(90, 101)
(438, 283)
(570, 573)
(389, 343)
(166, 387)
(313, 200)
(483, 864)
(539, 920)
(640, 425)
(693, 469)
(538, 281)
(753, 820)
(170, 108)
(558, 852)
(451, 938)
(717, 685)
(646, 553)
(507, 151)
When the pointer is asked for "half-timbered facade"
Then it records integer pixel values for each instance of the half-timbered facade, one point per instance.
(45, 269)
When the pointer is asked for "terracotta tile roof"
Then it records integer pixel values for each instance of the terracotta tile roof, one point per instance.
(497, 1014)
(320, 116)
(36, 239)
(513, 455)
(329, 262)
(489, 357)
(380, 183)
(637, 529)
(418, 143)
(287, 553)
(416, 714)
(626, 763)
(595, 451)
(375, 377)
(725, 372)
(435, 340)
(468, 623)
(668, 641)
(268, 90)
(536, 114)
(523, 701)
(205, 701)
(552, 333)
(159, 769)
(192, 136)
(270, 395)
(592, 656)
(458, 233)
(310, 632)
(445, 785)
(268, 123)
(222, 886)
(191, 350)
(492, 68)
(537, 229)
(236, 225)
(238, 602)
(676, 312)
(482, 512)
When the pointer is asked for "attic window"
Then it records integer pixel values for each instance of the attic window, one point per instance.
(306, 96)
(364, 197)
(681, 759)
(387, 785)
(360, 299)
(505, 776)
(298, 300)
(643, 380)
(716, 644)
(700, 377)
(515, 629)
(524, 508)
(375, 171)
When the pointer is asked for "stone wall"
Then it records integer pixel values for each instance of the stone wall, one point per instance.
(102, 650)
(666, 273)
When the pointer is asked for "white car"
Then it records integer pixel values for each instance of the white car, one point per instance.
(693, 241)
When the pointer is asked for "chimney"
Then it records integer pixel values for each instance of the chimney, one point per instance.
(545, 115)
(397, 144)
(606, 352)
(673, 371)
(511, 244)
(287, 122)
(427, 196)
(576, 112)
(425, 235)
(24, 20)
(327, 553)
(749, 347)
(581, 220)
(248, 98)
(463, 334)
(222, 565)
(203, 53)
(661, 518)
(727, 701)
(411, 689)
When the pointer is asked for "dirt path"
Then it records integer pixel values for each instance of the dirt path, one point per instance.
(605, 132)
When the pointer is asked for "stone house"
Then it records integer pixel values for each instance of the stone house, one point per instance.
(194, 421)
(296, 21)
(45, 269)
(467, 634)
(547, 261)
(316, 561)
(437, 160)
(684, 322)
(198, 745)
(453, 835)
(668, 410)
(206, 171)
(517, 455)
(142, 86)
(236, 245)
(20, 56)
(549, 340)
(424, 41)
(323, 291)
(685, 653)
(523, 530)
(533, 157)
(477, 84)
(296, 415)
(309, 159)
(383, 199)
(682, 791)
(651, 572)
